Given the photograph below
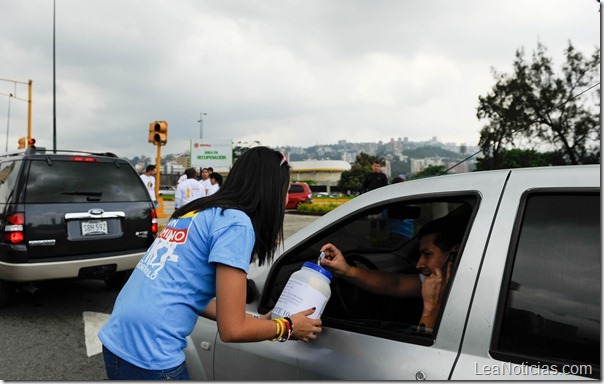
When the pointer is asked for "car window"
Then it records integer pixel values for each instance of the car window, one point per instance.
(60, 181)
(296, 188)
(382, 237)
(552, 299)
(8, 177)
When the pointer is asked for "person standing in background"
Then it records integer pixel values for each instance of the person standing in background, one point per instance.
(148, 179)
(182, 178)
(188, 190)
(216, 182)
(205, 179)
(374, 180)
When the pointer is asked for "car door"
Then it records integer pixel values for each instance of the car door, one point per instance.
(361, 349)
(537, 306)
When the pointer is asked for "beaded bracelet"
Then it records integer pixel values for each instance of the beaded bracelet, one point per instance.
(290, 325)
(285, 329)
(279, 331)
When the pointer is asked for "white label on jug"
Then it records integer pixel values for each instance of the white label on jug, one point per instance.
(297, 297)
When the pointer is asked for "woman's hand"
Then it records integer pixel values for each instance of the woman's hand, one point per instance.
(305, 328)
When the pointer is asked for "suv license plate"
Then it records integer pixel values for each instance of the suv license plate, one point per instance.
(95, 227)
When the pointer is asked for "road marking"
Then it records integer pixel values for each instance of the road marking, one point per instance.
(93, 322)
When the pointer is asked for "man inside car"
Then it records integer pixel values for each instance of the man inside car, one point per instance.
(439, 242)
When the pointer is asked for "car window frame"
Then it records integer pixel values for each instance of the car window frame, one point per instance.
(440, 197)
(521, 358)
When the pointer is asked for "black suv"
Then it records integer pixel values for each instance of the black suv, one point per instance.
(71, 215)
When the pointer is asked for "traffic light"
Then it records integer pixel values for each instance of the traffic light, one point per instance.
(158, 133)
(31, 143)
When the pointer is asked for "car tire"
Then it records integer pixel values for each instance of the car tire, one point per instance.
(116, 282)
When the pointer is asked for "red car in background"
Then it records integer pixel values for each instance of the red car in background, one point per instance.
(298, 193)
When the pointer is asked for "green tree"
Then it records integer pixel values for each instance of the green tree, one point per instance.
(364, 160)
(240, 147)
(535, 107)
(353, 179)
(518, 158)
(429, 171)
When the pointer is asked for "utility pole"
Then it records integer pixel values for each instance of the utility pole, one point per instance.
(54, 80)
(29, 112)
(200, 121)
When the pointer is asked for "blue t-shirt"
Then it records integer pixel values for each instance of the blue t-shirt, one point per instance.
(172, 283)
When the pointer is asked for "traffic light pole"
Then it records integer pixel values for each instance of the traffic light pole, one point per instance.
(158, 135)
(14, 95)
(160, 208)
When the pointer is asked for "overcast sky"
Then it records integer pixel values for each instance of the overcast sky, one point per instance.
(283, 72)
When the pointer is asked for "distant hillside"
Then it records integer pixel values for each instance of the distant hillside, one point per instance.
(423, 152)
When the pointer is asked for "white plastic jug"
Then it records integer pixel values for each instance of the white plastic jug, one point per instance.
(306, 288)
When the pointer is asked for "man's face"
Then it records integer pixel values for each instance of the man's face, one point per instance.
(205, 174)
(430, 256)
(375, 167)
(153, 171)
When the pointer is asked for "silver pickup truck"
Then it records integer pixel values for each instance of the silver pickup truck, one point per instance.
(523, 301)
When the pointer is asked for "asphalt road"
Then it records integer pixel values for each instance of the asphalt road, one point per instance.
(51, 334)
(292, 223)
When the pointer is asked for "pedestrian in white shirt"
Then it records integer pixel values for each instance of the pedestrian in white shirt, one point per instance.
(188, 190)
(216, 181)
(205, 178)
(148, 179)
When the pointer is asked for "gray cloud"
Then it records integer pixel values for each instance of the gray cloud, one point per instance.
(282, 72)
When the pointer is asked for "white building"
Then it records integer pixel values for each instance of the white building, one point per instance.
(418, 165)
(321, 172)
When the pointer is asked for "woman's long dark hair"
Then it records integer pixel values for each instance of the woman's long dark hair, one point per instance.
(257, 185)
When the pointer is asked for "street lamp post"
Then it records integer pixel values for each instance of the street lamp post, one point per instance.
(8, 122)
(200, 121)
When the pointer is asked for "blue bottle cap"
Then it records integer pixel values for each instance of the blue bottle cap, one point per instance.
(318, 268)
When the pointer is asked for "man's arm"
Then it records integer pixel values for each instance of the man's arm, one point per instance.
(380, 282)
(365, 183)
(178, 196)
(384, 283)
(384, 180)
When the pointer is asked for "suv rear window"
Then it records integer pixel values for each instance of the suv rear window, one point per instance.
(296, 188)
(78, 181)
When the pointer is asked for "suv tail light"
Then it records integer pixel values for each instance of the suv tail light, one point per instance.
(13, 228)
(154, 223)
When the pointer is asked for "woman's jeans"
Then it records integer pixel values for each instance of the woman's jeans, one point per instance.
(119, 369)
